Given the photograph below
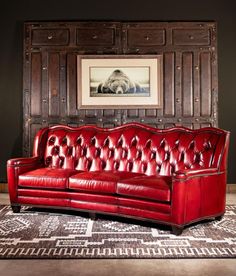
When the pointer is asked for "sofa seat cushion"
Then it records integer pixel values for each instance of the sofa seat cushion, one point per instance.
(156, 188)
(100, 182)
(46, 178)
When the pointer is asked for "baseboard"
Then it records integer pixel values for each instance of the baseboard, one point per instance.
(3, 188)
(231, 188)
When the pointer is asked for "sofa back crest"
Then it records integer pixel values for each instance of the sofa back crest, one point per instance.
(132, 147)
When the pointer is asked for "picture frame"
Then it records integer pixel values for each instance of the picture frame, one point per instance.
(119, 81)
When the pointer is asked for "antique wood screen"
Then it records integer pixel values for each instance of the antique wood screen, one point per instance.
(190, 90)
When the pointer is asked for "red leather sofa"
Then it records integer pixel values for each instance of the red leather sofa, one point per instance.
(174, 176)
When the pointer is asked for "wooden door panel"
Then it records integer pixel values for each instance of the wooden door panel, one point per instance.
(54, 84)
(205, 84)
(36, 87)
(187, 84)
(169, 84)
(190, 90)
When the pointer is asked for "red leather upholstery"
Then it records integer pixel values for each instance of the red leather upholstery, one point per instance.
(156, 188)
(173, 176)
(135, 149)
(101, 182)
(46, 178)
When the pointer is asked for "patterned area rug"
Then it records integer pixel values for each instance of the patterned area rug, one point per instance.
(36, 233)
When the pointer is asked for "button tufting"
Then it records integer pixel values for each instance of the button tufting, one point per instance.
(79, 141)
(148, 144)
(61, 161)
(55, 150)
(116, 165)
(84, 152)
(64, 141)
(111, 153)
(134, 151)
(51, 140)
(48, 160)
(130, 166)
(120, 142)
(167, 156)
(162, 144)
(139, 154)
(134, 142)
(153, 155)
(103, 164)
(144, 167)
(93, 141)
(181, 156)
(89, 164)
(106, 142)
(69, 151)
(124, 153)
(98, 152)
(192, 145)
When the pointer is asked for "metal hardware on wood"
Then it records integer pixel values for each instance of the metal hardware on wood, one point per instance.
(123, 39)
(179, 120)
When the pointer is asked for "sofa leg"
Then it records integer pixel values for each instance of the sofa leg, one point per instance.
(219, 218)
(92, 216)
(177, 230)
(16, 208)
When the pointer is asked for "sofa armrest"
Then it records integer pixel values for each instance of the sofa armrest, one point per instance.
(198, 194)
(18, 166)
(190, 173)
(24, 161)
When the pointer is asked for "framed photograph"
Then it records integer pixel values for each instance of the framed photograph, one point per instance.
(119, 81)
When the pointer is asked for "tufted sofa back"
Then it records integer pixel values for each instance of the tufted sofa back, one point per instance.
(133, 147)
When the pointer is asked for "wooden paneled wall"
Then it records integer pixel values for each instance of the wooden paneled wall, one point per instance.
(190, 91)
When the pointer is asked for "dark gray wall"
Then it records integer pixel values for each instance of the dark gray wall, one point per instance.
(14, 13)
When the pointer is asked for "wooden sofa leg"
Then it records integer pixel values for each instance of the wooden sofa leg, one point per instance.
(92, 216)
(16, 208)
(177, 230)
(219, 218)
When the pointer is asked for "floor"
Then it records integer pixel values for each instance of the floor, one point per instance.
(207, 267)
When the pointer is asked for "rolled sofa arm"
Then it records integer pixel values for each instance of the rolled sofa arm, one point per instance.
(197, 194)
(18, 166)
(190, 173)
(24, 161)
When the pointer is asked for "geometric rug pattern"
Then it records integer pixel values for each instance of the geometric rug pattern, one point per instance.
(36, 234)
